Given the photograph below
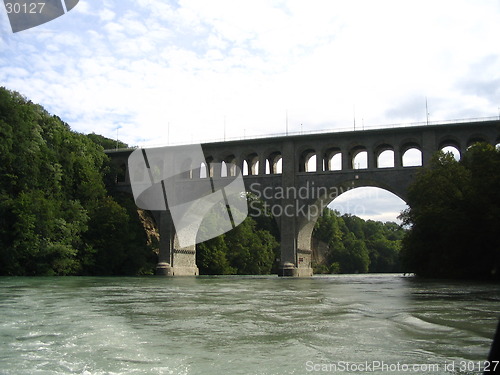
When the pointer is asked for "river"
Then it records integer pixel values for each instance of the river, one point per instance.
(380, 324)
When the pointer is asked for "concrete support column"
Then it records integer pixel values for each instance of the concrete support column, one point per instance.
(262, 165)
(166, 229)
(288, 232)
(319, 162)
(288, 243)
(304, 229)
(127, 173)
(216, 167)
(398, 158)
(184, 260)
(429, 146)
(172, 259)
(372, 158)
(346, 162)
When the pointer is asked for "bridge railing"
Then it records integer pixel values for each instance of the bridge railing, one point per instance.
(324, 131)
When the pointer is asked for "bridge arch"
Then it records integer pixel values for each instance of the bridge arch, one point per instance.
(275, 159)
(121, 173)
(252, 160)
(358, 157)
(305, 223)
(224, 169)
(451, 144)
(210, 163)
(230, 162)
(408, 143)
(477, 138)
(411, 154)
(449, 140)
(307, 160)
(332, 157)
(384, 156)
(203, 170)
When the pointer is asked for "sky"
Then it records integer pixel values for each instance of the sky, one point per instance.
(165, 72)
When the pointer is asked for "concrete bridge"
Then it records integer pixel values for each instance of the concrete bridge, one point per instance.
(298, 175)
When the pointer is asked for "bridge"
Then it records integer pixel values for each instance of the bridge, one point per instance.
(298, 175)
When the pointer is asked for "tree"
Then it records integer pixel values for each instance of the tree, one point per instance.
(211, 257)
(53, 202)
(245, 250)
(358, 246)
(454, 216)
(106, 143)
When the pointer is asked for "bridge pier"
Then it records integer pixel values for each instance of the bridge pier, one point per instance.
(172, 259)
(296, 254)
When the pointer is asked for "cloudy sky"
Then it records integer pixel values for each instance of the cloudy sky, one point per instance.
(169, 71)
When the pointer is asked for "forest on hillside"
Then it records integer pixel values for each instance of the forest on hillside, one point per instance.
(355, 245)
(57, 214)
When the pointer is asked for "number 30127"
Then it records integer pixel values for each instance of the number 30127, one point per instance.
(31, 8)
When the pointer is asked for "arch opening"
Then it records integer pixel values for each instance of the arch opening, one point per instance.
(370, 203)
(121, 173)
(279, 166)
(245, 169)
(308, 161)
(412, 157)
(311, 163)
(203, 170)
(230, 162)
(359, 231)
(210, 166)
(453, 150)
(223, 169)
(360, 160)
(275, 163)
(253, 164)
(476, 139)
(385, 159)
(333, 160)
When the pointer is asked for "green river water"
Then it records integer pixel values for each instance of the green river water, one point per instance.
(379, 324)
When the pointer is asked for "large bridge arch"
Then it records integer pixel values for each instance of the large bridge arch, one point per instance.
(322, 194)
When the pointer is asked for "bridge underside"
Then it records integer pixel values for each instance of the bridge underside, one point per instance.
(295, 208)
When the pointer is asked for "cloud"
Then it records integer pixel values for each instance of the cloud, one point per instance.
(370, 203)
(141, 65)
(177, 71)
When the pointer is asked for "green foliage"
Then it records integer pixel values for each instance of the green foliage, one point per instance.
(251, 250)
(106, 143)
(211, 257)
(245, 250)
(55, 215)
(356, 245)
(454, 217)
